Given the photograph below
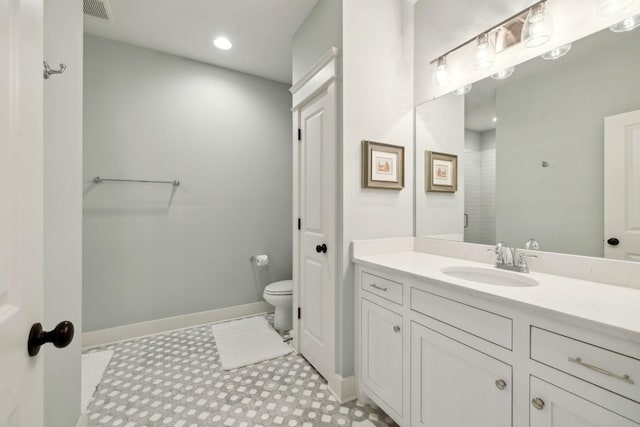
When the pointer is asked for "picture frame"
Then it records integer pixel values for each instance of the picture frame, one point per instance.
(441, 172)
(382, 166)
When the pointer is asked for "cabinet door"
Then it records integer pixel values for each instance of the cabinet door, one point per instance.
(555, 407)
(382, 353)
(454, 385)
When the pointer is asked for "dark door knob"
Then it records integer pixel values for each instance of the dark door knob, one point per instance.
(613, 241)
(61, 336)
(322, 248)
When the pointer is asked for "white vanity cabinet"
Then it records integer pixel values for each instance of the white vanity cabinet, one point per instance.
(432, 355)
(555, 407)
(382, 353)
(455, 385)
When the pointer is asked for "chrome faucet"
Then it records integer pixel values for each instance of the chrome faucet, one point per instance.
(532, 244)
(505, 255)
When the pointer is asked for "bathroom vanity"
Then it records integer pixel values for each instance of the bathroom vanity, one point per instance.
(444, 342)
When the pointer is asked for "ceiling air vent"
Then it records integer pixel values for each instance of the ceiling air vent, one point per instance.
(98, 9)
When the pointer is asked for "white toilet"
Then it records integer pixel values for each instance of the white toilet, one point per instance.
(280, 295)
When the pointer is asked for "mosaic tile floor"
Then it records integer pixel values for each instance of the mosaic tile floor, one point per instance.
(175, 379)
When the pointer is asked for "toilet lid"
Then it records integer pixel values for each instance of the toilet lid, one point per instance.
(283, 287)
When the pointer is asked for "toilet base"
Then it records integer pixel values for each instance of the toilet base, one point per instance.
(283, 318)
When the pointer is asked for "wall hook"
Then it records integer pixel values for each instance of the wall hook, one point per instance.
(48, 71)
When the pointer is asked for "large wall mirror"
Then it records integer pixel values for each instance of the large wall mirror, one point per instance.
(535, 159)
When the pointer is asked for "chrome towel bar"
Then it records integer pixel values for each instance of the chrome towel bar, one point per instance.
(99, 180)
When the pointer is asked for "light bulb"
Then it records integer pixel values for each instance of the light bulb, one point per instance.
(485, 53)
(611, 7)
(441, 75)
(463, 90)
(538, 26)
(628, 24)
(557, 52)
(503, 74)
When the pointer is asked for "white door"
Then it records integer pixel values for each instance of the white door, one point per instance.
(622, 186)
(454, 385)
(554, 407)
(21, 209)
(318, 244)
(382, 354)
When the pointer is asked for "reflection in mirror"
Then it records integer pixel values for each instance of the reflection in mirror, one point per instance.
(535, 158)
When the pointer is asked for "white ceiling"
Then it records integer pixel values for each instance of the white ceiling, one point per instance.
(260, 30)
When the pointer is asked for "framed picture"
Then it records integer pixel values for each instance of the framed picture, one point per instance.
(382, 166)
(441, 172)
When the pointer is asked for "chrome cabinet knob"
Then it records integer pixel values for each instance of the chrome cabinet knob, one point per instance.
(396, 328)
(538, 403)
(501, 384)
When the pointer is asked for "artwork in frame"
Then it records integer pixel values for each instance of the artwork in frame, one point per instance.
(441, 173)
(382, 166)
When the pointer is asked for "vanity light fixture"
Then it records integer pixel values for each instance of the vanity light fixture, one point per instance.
(538, 26)
(611, 7)
(557, 53)
(222, 43)
(485, 52)
(631, 23)
(503, 74)
(536, 30)
(463, 90)
(441, 75)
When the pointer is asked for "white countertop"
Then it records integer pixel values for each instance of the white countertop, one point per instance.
(608, 308)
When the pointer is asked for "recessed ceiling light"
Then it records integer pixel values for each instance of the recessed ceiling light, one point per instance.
(628, 24)
(463, 90)
(495, 119)
(503, 74)
(222, 43)
(557, 53)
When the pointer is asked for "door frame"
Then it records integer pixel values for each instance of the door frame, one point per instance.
(616, 129)
(321, 76)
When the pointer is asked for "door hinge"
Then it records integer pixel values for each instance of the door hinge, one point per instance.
(299, 223)
(299, 134)
(299, 313)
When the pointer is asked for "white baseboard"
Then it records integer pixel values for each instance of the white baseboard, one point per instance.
(136, 330)
(343, 388)
(83, 420)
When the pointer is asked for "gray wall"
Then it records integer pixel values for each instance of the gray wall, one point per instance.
(153, 251)
(63, 208)
(480, 186)
(558, 116)
(440, 128)
(321, 30)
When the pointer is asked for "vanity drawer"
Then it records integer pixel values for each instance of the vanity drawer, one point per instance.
(385, 288)
(602, 367)
(481, 323)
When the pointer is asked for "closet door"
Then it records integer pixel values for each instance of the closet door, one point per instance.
(21, 210)
(318, 244)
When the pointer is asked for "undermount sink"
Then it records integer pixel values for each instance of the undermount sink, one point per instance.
(490, 276)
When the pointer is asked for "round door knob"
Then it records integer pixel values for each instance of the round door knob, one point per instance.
(396, 328)
(501, 384)
(538, 403)
(61, 336)
(613, 241)
(322, 248)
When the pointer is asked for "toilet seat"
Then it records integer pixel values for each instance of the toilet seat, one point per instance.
(280, 295)
(283, 287)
